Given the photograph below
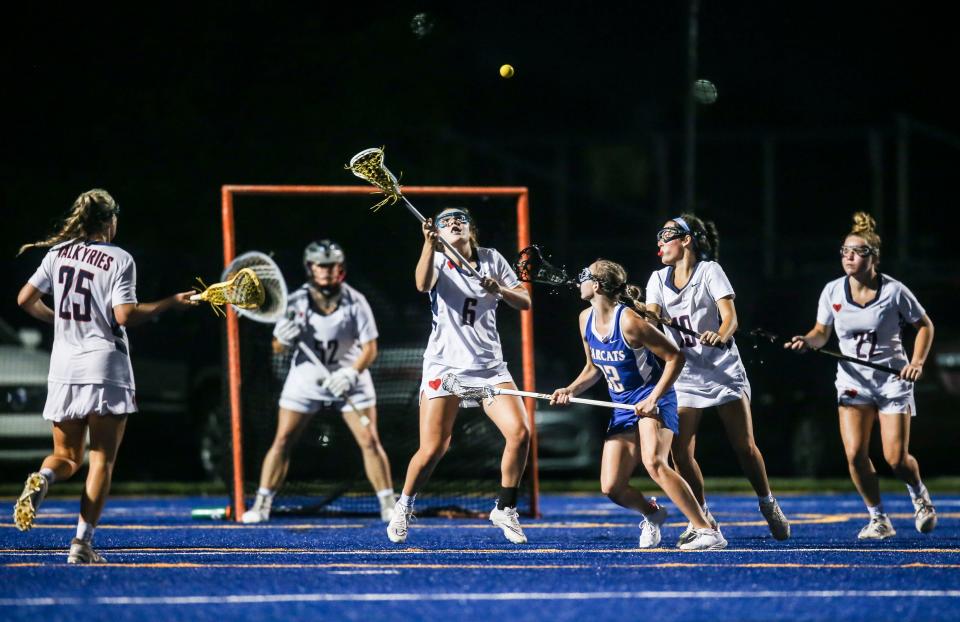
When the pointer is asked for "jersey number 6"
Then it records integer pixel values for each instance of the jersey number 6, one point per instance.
(468, 315)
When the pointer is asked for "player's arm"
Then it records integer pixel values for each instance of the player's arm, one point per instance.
(816, 338)
(132, 314)
(588, 375)
(728, 324)
(368, 354)
(425, 274)
(921, 349)
(30, 300)
(518, 297)
(638, 332)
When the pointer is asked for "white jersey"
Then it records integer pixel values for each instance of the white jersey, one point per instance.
(870, 332)
(713, 375)
(87, 280)
(336, 339)
(464, 334)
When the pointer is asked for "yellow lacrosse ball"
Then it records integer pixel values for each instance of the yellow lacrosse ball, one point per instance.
(506, 71)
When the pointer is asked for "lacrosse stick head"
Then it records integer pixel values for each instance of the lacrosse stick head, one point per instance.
(532, 267)
(476, 393)
(368, 165)
(271, 279)
(244, 290)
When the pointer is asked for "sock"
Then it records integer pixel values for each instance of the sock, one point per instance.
(507, 497)
(386, 497)
(266, 492)
(84, 530)
(917, 491)
(49, 474)
(875, 510)
(768, 499)
(407, 501)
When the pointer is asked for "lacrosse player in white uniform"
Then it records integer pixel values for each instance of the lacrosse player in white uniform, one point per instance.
(693, 291)
(90, 387)
(868, 310)
(336, 323)
(464, 341)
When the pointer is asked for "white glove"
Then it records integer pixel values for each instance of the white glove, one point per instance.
(287, 332)
(341, 381)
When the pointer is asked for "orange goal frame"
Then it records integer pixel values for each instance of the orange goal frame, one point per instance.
(228, 192)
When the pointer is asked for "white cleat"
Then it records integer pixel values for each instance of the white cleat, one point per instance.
(399, 523)
(778, 523)
(259, 513)
(82, 553)
(705, 540)
(879, 528)
(25, 509)
(650, 528)
(688, 534)
(924, 514)
(507, 519)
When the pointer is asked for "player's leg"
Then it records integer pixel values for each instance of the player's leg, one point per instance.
(738, 422)
(69, 438)
(683, 450)
(895, 434)
(655, 443)
(273, 472)
(509, 415)
(856, 426)
(437, 417)
(106, 434)
(363, 426)
(621, 454)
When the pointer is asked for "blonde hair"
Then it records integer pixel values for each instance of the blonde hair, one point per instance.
(89, 216)
(612, 282)
(864, 226)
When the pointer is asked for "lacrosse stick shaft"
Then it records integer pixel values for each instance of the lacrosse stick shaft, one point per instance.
(837, 355)
(413, 210)
(325, 373)
(575, 400)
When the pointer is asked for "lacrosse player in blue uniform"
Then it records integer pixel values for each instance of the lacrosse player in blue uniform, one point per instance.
(336, 323)
(622, 348)
(868, 310)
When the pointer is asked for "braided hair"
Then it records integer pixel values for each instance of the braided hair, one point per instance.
(90, 215)
(611, 280)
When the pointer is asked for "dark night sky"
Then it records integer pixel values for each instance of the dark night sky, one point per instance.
(163, 105)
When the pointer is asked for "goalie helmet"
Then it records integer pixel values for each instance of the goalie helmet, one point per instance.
(325, 252)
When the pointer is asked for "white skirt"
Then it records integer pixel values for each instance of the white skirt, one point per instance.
(431, 386)
(76, 401)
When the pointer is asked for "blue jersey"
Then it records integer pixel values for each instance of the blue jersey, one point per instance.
(631, 373)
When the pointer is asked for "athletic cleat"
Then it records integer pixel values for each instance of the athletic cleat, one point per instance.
(507, 520)
(650, 528)
(687, 534)
(705, 540)
(25, 509)
(925, 515)
(879, 528)
(778, 523)
(399, 523)
(82, 553)
(259, 513)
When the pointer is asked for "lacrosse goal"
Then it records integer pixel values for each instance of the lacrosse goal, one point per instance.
(327, 475)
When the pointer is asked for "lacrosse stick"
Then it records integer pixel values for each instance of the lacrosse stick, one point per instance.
(274, 286)
(482, 392)
(532, 267)
(244, 290)
(759, 333)
(324, 374)
(368, 165)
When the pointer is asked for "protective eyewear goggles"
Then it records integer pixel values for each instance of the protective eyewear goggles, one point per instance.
(861, 251)
(669, 234)
(452, 218)
(585, 275)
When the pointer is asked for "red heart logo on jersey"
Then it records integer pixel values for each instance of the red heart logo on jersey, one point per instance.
(450, 265)
(837, 306)
(434, 384)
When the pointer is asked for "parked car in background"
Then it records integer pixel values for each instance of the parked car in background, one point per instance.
(24, 435)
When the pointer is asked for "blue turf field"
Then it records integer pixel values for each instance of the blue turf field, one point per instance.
(580, 564)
